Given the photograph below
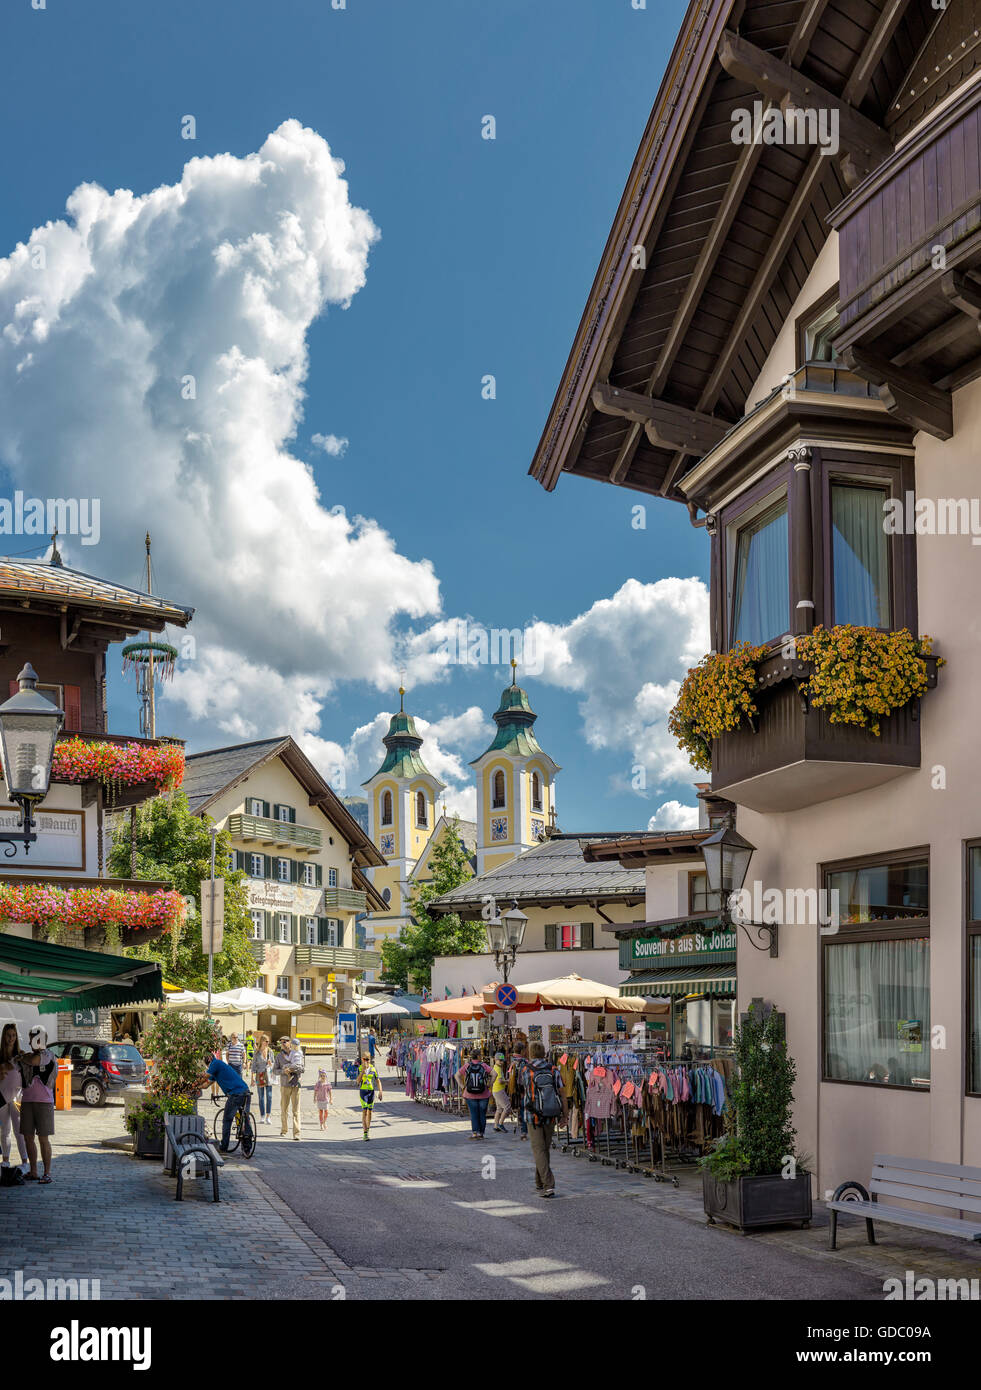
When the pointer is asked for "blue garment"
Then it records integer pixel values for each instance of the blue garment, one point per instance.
(233, 1104)
(228, 1078)
(265, 1100)
(478, 1114)
(371, 1045)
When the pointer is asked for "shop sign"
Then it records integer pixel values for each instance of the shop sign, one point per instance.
(696, 943)
(286, 897)
(60, 839)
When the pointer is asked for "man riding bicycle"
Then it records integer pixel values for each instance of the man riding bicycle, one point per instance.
(237, 1091)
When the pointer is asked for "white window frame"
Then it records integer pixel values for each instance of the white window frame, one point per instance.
(306, 989)
(309, 875)
(283, 870)
(331, 878)
(310, 928)
(282, 986)
(283, 924)
(261, 871)
(387, 800)
(258, 924)
(333, 932)
(255, 806)
(284, 814)
(576, 930)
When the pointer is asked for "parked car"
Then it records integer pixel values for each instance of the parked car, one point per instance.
(101, 1068)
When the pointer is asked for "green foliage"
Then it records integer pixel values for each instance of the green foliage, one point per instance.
(178, 1045)
(409, 961)
(152, 1111)
(759, 1131)
(172, 843)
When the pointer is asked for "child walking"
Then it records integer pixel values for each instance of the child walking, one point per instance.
(323, 1095)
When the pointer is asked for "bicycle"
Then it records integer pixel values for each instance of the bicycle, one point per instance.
(243, 1130)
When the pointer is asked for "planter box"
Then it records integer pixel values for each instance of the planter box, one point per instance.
(750, 1203)
(148, 1142)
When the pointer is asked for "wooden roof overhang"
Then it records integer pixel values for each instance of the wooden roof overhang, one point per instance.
(652, 847)
(92, 612)
(671, 342)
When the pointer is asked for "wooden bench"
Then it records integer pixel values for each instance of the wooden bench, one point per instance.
(185, 1142)
(946, 1185)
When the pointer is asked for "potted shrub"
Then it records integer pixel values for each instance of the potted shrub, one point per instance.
(752, 1177)
(145, 1122)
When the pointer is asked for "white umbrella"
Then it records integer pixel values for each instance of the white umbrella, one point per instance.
(383, 1007)
(252, 1000)
(193, 1001)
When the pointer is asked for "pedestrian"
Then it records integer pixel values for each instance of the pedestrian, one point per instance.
(235, 1054)
(372, 1044)
(261, 1069)
(499, 1091)
(37, 1070)
(238, 1094)
(368, 1083)
(11, 1084)
(218, 1052)
(289, 1066)
(545, 1104)
(250, 1046)
(323, 1095)
(516, 1093)
(474, 1076)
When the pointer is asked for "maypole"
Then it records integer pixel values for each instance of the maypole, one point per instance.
(150, 661)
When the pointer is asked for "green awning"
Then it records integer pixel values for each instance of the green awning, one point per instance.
(709, 979)
(59, 979)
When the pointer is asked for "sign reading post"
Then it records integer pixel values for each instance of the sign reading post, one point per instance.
(212, 915)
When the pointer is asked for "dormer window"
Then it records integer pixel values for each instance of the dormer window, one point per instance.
(386, 808)
(422, 810)
(760, 603)
(497, 796)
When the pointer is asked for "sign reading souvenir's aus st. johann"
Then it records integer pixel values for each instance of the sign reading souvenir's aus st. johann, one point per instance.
(645, 948)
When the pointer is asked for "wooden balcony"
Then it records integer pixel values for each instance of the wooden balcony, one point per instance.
(798, 758)
(266, 830)
(345, 900)
(909, 256)
(337, 958)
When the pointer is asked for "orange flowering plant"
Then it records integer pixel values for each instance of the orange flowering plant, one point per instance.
(860, 675)
(715, 696)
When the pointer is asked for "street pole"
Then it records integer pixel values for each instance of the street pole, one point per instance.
(211, 937)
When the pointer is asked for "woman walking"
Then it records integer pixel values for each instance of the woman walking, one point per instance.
(235, 1054)
(261, 1069)
(323, 1095)
(368, 1082)
(499, 1091)
(474, 1076)
(10, 1086)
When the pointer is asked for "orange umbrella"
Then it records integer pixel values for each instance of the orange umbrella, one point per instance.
(464, 1010)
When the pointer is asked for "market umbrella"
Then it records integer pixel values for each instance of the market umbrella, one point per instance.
(191, 1001)
(252, 1000)
(383, 1007)
(569, 992)
(465, 1010)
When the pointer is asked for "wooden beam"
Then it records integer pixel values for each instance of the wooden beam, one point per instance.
(806, 29)
(909, 396)
(963, 293)
(668, 426)
(957, 326)
(875, 47)
(858, 136)
(625, 455)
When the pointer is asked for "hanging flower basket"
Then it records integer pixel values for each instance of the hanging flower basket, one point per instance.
(74, 909)
(116, 765)
(715, 697)
(160, 655)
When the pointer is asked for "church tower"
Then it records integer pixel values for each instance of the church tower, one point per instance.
(515, 784)
(402, 797)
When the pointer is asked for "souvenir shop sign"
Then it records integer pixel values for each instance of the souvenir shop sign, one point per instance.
(645, 949)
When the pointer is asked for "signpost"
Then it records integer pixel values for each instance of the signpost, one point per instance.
(212, 915)
(347, 1038)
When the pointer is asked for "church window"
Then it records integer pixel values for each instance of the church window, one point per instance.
(422, 810)
(386, 808)
(498, 790)
(536, 792)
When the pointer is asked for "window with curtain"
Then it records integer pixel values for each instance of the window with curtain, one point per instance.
(860, 556)
(974, 969)
(877, 975)
(761, 591)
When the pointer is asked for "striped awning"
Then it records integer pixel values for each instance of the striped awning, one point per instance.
(709, 979)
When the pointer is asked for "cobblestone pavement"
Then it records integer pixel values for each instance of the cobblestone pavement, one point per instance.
(420, 1212)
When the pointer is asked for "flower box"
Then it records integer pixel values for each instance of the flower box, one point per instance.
(751, 1203)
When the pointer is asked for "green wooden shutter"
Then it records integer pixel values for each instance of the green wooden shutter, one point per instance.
(295, 871)
(267, 866)
(292, 811)
(295, 928)
(586, 935)
(265, 809)
(550, 930)
(318, 875)
(267, 927)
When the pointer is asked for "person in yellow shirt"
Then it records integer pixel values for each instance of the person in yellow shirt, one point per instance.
(499, 1090)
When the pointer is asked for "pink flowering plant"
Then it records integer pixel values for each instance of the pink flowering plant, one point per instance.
(118, 765)
(179, 1045)
(48, 907)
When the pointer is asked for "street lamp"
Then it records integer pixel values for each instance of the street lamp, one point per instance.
(726, 855)
(504, 937)
(29, 728)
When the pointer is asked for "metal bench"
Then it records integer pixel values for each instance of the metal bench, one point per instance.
(946, 1185)
(185, 1142)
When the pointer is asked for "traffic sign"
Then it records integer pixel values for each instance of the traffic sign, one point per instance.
(506, 996)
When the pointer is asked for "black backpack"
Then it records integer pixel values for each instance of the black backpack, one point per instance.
(543, 1099)
(476, 1077)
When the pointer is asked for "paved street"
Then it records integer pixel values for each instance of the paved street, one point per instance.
(417, 1212)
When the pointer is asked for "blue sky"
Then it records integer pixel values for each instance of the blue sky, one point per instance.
(486, 253)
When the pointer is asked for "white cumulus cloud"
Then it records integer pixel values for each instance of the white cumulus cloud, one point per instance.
(331, 444)
(672, 815)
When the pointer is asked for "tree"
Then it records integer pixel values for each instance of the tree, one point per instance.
(410, 959)
(172, 843)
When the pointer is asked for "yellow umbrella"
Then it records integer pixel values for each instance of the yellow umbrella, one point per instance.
(570, 992)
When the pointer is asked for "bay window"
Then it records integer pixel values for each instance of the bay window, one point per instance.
(876, 972)
(860, 555)
(760, 583)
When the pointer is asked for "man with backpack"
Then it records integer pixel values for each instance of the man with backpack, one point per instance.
(544, 1106)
